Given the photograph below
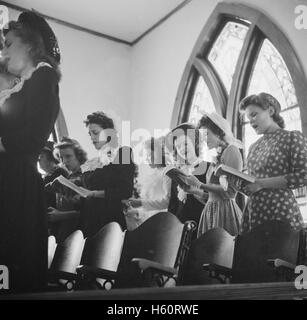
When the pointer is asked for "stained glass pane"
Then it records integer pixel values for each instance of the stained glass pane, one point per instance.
(272, 75)
(292, 119)
(202, 101)
(226, 50)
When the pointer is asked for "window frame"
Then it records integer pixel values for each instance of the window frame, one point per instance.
(260, 28)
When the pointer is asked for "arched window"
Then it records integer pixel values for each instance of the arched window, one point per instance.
(240, 51)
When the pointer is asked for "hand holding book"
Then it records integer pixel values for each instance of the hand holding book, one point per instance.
(235, 178)
(177, 175)
(79, 190)
(251, 188)
(184, 180)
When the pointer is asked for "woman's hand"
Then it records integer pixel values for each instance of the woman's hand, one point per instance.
(133, 202)
(53, 214)
(192, 181)
(253, 187)
(190, 189)
(132, 213)
(94, 193)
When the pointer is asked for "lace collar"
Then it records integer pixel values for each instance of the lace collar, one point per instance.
(5, 94)
(106, 156)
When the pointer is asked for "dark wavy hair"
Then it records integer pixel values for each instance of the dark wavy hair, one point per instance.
(206, 122)
(264, 101)
(106, 123)
(188, 130)
(48, 151)
(65, 143)
(34, 39)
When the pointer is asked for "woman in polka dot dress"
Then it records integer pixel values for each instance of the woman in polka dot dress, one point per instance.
(279, 162)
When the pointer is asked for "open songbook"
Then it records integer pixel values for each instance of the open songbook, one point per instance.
(177, 175)
(234, 177)
(67, 183)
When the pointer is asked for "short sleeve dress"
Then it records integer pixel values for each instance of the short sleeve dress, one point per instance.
(221, 210)
(281, 153)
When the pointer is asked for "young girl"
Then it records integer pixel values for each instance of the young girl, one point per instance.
(221, 209)
(187, 152)
(154, 186)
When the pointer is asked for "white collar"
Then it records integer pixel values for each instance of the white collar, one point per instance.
(106, 156)
(5, 94)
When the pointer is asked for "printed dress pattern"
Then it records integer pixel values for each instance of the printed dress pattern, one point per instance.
(281, 153)
(221, 210)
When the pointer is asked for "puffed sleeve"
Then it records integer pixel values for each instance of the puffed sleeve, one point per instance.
(42, 107)
(297, 176)
(232, 158)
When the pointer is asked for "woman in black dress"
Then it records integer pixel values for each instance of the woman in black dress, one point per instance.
(110, 176)
(27, 115)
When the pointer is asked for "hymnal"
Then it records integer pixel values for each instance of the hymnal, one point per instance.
(67, 183)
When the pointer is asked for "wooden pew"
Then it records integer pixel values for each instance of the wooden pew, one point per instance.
(62, 272)
(214, 247)
(267, 253)
(150, 255)
(258, 291)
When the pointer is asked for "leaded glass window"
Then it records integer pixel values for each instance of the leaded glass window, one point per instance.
(202, 101)
(241, 52)
(226, 49)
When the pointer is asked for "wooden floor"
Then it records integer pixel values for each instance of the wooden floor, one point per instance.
(260, 291)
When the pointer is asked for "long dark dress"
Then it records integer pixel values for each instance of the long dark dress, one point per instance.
(26, 121)
(192, 208)
(116, 179)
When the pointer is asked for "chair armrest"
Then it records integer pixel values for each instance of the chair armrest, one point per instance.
(279, 263)
(145, 264)
(62, 215)
(55, 275)
(217, 268)
(283, 269)
(221, 273)
(94, 272)
(63, 279)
